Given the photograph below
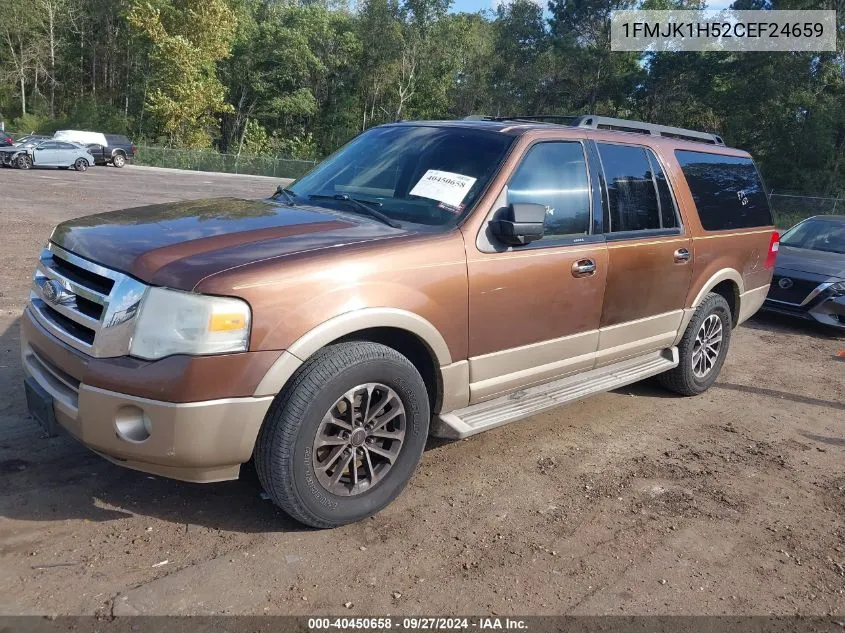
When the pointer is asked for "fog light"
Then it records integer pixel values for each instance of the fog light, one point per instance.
(132, 424)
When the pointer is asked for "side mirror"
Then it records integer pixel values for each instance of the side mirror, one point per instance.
(519, 223)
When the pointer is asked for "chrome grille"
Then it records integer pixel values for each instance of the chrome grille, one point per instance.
(799, 292)
(83, 304)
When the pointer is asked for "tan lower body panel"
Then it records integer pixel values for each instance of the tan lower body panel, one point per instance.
(627, 340)
(493, 374)
(197, 441)
(455, 379)
(750, 302)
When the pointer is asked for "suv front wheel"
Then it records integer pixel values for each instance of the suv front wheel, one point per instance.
(703, 348)
(341, 441)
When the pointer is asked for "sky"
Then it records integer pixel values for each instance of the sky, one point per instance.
(471, 6)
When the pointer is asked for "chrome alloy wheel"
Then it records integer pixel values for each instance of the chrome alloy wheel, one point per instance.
(708, 343)
(359, 439)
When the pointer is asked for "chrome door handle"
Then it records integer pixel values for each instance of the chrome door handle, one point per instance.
(681, 256)
(583, 268)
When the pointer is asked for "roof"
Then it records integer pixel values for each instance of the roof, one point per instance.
(828, 218)
(518, 125)
(508, 127)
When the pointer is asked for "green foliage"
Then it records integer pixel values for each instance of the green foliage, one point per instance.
(255, 139)
(30, 123)
(283, 78)
(299, 147)
(187, 38)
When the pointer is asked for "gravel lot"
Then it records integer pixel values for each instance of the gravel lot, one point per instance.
(632, 502)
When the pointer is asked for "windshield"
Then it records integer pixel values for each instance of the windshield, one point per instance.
(420, 174)
(818, 235)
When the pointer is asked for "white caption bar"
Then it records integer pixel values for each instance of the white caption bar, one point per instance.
(723, 30)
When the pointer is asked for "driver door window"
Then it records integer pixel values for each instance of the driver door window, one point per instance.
(554, 174)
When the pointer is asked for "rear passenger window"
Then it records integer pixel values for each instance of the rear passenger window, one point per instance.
(727, 190)
(668, 211)
(554, 174)
(632, 189)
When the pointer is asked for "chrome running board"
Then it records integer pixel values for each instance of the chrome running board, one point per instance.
(526, 402)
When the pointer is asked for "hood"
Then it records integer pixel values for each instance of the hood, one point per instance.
(180, 243)
(805, 260)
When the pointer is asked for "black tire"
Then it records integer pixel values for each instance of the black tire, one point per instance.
(81, 164)
(118, 160)
(683, 379)
(285, 449)
(24, 161)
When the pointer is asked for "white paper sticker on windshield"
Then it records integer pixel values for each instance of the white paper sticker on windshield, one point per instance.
(443, 186)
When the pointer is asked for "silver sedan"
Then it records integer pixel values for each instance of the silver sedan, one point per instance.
(48, 153)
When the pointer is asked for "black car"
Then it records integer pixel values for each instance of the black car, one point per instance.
(118, 152)
(809, 277)
(6, 139)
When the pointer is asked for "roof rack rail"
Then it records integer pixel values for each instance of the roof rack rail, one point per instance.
(625, 125)
(596, 122)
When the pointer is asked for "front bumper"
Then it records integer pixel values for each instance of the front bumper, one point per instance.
(200, 441)
(830, 311)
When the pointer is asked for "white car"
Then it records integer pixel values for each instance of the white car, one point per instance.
(81, 137)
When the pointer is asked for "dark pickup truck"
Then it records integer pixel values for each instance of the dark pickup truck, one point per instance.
(118, 151)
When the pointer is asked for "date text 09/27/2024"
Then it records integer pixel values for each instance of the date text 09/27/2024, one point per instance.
(417, 624)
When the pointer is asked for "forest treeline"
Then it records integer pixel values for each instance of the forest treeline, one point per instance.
(298, 79)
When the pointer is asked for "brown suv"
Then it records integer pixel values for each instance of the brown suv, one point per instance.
(429, 277)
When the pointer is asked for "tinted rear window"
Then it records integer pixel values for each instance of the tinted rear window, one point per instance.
(638, 194)
(727, 190)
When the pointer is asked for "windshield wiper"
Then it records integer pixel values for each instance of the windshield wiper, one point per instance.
(360, 205)
(290, 196)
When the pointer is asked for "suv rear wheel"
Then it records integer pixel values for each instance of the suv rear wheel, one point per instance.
(118, 160)
(341, 441)
(703, 349)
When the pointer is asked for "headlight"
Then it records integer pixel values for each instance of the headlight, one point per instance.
(173, 322)
(838, 289)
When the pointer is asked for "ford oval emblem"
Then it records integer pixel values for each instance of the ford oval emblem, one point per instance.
(785, 283)
(53, 292)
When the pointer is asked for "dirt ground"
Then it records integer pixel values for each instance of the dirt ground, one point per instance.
(632, 502)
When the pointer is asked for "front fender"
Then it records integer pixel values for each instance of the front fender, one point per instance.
(344, 325)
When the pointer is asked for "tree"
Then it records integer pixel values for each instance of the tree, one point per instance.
(188, 38)
(18, 21)
(301, 77)
(589, 77)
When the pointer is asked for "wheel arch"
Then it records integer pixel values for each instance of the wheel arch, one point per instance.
(726, 282)
(409, 334)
